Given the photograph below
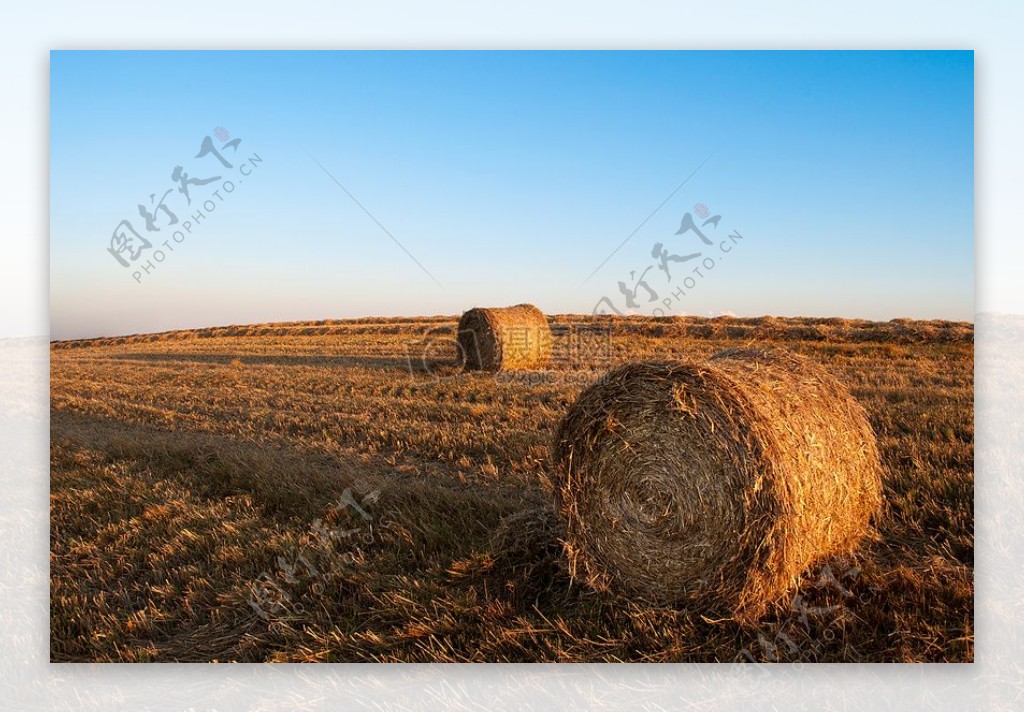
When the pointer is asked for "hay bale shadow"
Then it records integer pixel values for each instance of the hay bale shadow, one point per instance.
(525, 565)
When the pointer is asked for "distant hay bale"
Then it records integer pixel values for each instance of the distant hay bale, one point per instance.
(717, 483)
(503, 338)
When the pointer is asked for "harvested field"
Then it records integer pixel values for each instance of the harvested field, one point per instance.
(339, 491)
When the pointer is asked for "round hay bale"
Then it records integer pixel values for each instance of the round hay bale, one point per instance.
(720, 482)
(503, 338)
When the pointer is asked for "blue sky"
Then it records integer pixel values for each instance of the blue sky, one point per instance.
(510, 176)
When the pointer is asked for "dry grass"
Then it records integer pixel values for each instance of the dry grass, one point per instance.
(190, 497)
(714, 484)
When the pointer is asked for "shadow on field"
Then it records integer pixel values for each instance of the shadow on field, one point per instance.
(185, 528)
(399, 363)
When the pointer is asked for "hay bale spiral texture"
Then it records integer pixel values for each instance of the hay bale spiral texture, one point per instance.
(504, 338)
(718, 483)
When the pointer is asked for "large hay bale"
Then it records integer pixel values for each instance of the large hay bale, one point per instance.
(720, 482)
(502, 338)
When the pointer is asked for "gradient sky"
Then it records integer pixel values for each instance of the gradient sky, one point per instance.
(510, 176)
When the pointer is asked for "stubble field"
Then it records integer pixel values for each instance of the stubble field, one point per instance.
(340, 491)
